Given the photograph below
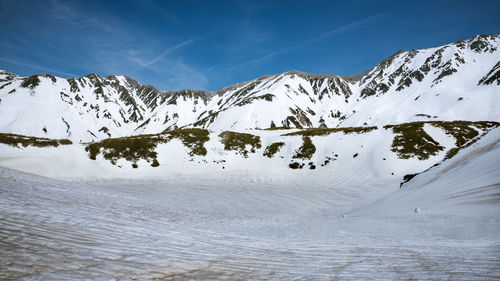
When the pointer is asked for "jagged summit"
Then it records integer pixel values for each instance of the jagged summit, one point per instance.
(309, 75)
(455, 81)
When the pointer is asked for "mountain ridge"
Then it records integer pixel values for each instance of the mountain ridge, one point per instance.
(407, 86)
(4, 71)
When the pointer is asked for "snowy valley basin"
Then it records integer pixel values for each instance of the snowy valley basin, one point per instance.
(246, 213)
(392, 174)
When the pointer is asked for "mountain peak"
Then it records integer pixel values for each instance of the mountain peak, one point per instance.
(308, 75)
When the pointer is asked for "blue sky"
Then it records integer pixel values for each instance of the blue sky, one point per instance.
(211, 44)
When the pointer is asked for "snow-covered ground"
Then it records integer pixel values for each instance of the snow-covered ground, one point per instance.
(374, 159)
(344, 222)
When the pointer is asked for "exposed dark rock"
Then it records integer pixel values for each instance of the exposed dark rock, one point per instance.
(492, 76)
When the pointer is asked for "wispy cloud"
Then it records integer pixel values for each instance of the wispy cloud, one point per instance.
(173, 74)
(341, 29)
(37, 67)
(345, 28)
(260, 59)
(116, 47)
(165, 52)
(184, 75)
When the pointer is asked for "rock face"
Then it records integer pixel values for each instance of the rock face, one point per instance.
(452, 82)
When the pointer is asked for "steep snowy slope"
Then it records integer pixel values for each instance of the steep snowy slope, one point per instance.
(467, 184)
(452, 82)
(291, 99)
(85, 108)
(456, 81)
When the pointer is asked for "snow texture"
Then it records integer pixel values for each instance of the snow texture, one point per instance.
(242, 226)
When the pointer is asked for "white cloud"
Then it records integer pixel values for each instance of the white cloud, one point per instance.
(114, 46)
(345, 28)
(37, 67)
(341, 29)
(164, 53)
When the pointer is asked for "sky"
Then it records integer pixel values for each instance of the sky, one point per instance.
(208, 45)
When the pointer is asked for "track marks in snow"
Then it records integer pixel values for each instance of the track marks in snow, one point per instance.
(60, 230)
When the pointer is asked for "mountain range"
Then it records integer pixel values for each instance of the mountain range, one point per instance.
(458, 81)
(389, 174)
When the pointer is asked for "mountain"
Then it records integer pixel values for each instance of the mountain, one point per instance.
(458, 81)
(106, 178)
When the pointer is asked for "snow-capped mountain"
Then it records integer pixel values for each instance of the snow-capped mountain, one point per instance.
(457, 81)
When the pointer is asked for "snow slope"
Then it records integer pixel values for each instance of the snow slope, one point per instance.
(467, 184)
(337, 155)
(201, 226)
